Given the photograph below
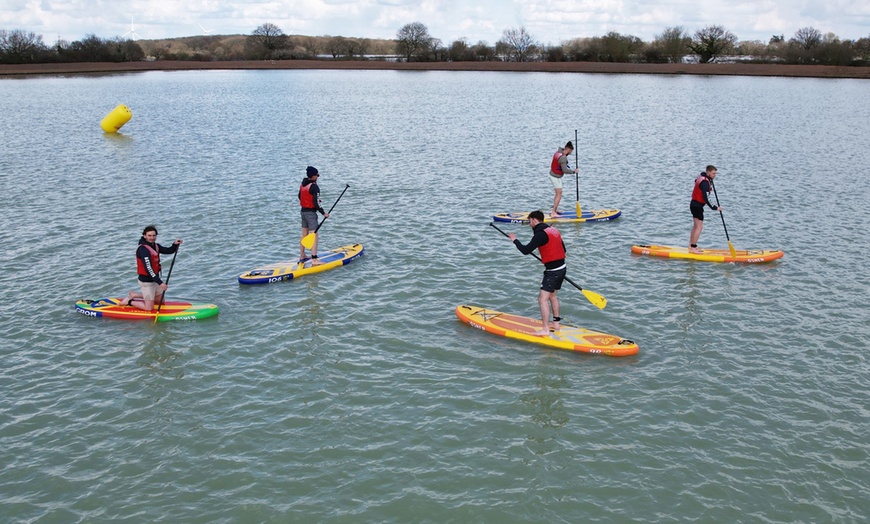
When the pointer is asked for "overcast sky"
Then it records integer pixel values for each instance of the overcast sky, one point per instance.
(548, 21)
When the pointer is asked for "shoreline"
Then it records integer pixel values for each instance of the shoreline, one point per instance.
(783, 70)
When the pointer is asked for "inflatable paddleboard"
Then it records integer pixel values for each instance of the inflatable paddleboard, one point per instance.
(568, 337)
(744, 256)
(171, 310)
(592, 215)
(290, 269)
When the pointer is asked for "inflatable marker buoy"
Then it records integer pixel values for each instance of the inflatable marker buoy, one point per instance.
(116, 119)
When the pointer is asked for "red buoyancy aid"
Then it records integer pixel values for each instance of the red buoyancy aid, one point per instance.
(155, 261)
(306, 199)
(554, 249)
(555, 166)
(697, 194)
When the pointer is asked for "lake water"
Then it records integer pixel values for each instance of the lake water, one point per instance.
(356, 395)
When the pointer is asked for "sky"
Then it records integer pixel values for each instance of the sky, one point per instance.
(547, 21)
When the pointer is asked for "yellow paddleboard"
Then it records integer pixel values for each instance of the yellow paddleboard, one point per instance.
(568, 337)
(744, 256)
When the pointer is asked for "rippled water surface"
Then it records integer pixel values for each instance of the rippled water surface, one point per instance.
(356, 395)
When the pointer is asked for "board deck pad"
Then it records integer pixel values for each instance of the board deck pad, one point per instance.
(566, 216)
(290, 269)
(568, 337)
(744, 256)
(170, 310)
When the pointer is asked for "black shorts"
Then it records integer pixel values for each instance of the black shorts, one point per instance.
(697, 210)
(552, 281)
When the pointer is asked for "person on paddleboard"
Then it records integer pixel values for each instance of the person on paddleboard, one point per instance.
(700, 198)
(548, 241)
(148, 268)
(558, 168)
(309, 193)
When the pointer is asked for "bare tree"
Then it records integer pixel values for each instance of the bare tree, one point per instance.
(518, 44)
(414, 41)
(267, 39)
(807, 38)
(673, 44)
(712, 42)
(19, 46)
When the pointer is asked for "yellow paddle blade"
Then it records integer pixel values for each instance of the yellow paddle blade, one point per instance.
(579, 213)
(596, 299)
(308, 240)
(731, 248)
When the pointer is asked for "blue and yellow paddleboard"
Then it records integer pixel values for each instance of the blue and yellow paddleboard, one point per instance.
(290, 269)
(592, 215)
(170, 310)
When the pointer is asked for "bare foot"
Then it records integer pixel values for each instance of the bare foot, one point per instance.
(555, 214)
(541, 333)
(554, 326)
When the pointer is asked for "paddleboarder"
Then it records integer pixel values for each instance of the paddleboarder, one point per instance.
(309, 193)
(547, 240)
(700, 198)
(558, 168)
(148, 268)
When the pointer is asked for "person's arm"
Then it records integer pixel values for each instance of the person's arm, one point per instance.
(563, 163)
(315, 193)
(538, 239)
(705, 190)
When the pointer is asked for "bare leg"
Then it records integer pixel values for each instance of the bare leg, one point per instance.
(544, 303)
(556, 200)
(554, 303)
(301, 247)
(697, 227)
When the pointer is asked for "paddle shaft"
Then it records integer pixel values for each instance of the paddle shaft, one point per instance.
(576, 171)
(330, 209)
(720, 211)
(168, 276)
(536, 256)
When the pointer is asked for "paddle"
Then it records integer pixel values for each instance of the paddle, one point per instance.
(168, 275)
(730, 245)
(596, 299)
(308, 240)
(577, 176)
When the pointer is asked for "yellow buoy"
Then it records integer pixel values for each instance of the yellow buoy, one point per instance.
(116, 119)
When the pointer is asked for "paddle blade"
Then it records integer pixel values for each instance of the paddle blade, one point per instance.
(579, 212)
(596, 299)
(731, 248)
(308, 240)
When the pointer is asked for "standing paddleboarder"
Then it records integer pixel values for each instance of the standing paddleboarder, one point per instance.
(548, 241)
(700, 198)
(309, 200)
(148, 268)
(558, 168)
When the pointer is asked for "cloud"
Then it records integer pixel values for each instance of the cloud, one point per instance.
(548, 21)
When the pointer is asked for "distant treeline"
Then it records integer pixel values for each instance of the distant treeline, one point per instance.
(414, 43)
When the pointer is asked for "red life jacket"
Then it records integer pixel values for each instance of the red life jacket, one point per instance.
(306, 199)
(555, 166)
(697, 194)
(155, 261)
(554, 249)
